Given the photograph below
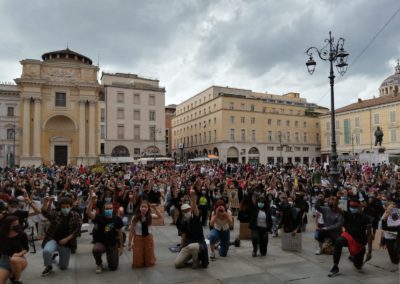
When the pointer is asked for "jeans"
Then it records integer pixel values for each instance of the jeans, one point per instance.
(111, 253)
(63, 253)
(224, 237)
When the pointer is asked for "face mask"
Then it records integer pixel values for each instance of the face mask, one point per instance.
(182, 189)
(16, 228)
(108, 213)
(187, 215)
(353, 210)
(107, 199)
(65, 211)
(204, 192)
(290, 203)
(260, 205)
(384, 202)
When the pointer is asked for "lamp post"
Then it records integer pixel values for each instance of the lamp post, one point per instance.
(334, 53)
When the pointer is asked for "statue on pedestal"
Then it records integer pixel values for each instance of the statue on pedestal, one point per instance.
(378, 136)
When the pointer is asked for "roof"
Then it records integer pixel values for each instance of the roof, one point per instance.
(361, 104)
(393, 79)
(66, 54)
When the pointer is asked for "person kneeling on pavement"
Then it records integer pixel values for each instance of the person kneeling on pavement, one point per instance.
(193, 244)
(221, 222)
(65, 226)
(107, 237)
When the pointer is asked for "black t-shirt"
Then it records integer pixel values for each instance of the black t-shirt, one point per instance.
(106, 230)
(14, 244)
(356, 225)
(62, 230)
(193, 229)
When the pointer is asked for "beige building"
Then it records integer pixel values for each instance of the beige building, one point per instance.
(134, 115)
(58, 102)
(243, 126)
(9, 125)
(356, 123)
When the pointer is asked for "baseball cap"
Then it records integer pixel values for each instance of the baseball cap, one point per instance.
(185, 206)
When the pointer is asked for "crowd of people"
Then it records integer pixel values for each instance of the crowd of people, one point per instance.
(123, 201)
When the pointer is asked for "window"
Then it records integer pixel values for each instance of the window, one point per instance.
(243, 135)
(328, 140)
(269, 122)
(231, 106)
(305, 149)
(136, 99)
(120, 113)
(136, 132)
(102, 148)
(270, 148)
(10, 111)
(61, 99)
(305, 137)
(252, 108)
(242, 120)
(278, 122)
(296, 124)
(152, 115)
(264, 109)
(232, 134)
(288, 136)
(328, 126)
(136, 151)
(242, 106)
(120, 131)
(152, 100)
(120, 97)
(392, 116)
(10, 134)
(215, 135)
(215, 120)
(269, 138)
(288, 123)
(102, 131)
(305, 124)
(358, 138)
(393, 135)
(357, 122)
(102, 115)
(209, 136)
(346, 129)
(376, 118)
(253, 135)
(232, 119)
(297, 137)
(136, 114)
(337, 125)
(152, 132)
(253, 120)
(317, 138)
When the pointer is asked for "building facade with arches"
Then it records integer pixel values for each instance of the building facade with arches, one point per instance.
(240, 125)
(58, 101)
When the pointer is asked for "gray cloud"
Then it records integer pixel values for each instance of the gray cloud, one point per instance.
(190, 45)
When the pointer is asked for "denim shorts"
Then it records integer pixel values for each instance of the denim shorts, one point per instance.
(5, 262)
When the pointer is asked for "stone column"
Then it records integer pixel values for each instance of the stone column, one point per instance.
(82, 129)
(26, 128)
(37, 129)
(92, 125)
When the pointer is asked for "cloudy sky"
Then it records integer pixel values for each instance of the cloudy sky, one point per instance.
(191, 44)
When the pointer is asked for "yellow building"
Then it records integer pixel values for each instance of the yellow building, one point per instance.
(356, 123)
(59, 121)
(243, 126)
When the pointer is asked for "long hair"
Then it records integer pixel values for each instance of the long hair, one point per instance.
(138, 214)
(5, 227)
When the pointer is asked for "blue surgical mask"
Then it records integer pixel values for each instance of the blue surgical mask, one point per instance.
(260, 205)
(108, 213)
(65, 211)
(353, 210)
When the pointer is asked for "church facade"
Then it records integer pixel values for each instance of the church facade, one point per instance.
(59, 115)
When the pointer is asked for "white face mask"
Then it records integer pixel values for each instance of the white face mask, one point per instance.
(187, 215)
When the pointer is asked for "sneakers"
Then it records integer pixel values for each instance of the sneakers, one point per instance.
(334, 271)
(318, 251)
(47, 270)
(99, 269)
(212, 256)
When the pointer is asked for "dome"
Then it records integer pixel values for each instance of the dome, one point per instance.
(392, 83)
(66, 54)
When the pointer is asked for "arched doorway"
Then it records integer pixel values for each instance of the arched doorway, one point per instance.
(232, 155)
(254, 156)
(215, 151)
(152, 151)
(120, 151)
(61, 130)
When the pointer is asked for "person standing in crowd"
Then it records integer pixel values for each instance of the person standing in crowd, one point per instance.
(332, 218)
(260, 224)
(107, 236)
(357, 234)
(65, 226)
(193, 246)
(221, 222)
(141, 237)
(204, 203)
(390, 223)
(13, 248)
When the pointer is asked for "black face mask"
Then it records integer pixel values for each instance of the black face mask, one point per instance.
(16, 228)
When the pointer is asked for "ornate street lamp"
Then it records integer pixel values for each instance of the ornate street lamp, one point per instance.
(334, 53)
